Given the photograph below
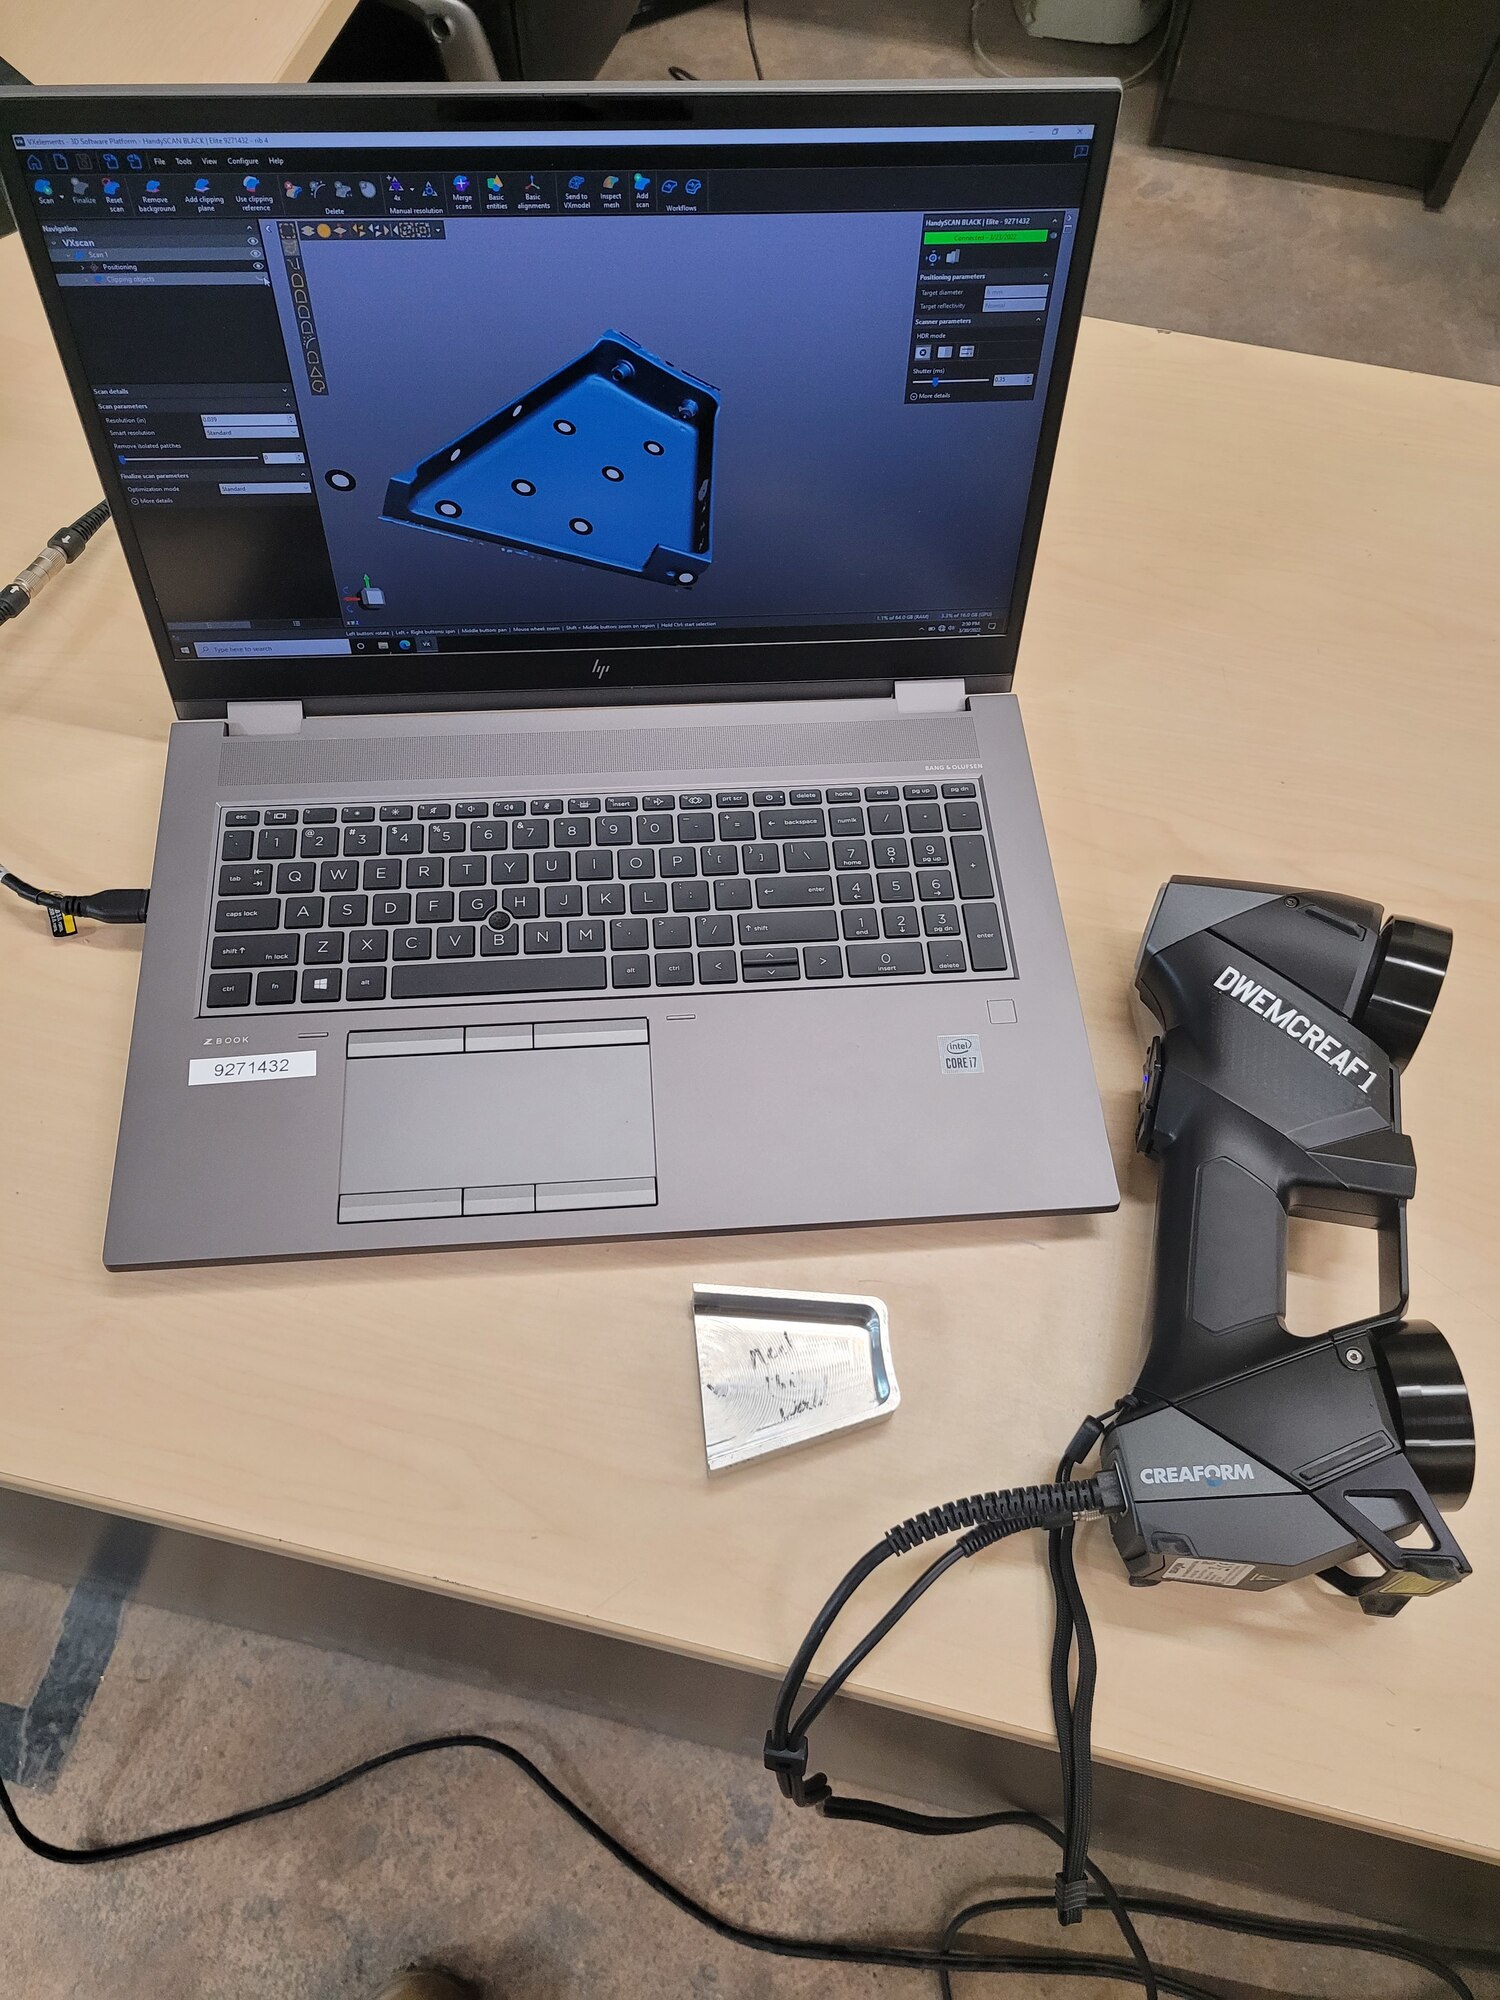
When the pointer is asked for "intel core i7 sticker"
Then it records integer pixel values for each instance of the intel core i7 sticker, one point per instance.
(960, 1055)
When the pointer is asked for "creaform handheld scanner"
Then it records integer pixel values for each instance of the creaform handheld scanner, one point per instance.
(1249, 1457)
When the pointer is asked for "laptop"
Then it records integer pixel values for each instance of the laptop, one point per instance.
(585, 533)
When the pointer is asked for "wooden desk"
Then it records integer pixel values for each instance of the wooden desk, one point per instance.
(213, 41)
(1262, 643)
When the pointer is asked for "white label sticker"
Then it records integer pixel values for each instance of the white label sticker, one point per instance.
(960, 1055)
(1194, 1569)
(252, 1069)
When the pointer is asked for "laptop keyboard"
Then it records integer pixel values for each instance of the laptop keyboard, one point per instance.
(323, 905)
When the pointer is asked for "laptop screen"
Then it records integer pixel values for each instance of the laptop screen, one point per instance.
(395, 407)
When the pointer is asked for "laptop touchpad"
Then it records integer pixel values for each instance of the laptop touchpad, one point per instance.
(478, 1131)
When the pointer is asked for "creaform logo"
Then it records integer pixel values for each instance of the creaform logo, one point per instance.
(1195, 1475)
(1301, 1027)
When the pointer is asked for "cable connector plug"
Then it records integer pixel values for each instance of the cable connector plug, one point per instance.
(788, 1762)
(1071, 1895)
(63, 547)
(105, 906)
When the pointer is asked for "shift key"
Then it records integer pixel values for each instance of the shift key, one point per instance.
(986, 939)
(794, 892)
(788, 927)
(971, 864)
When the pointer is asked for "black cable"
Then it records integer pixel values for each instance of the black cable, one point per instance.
(105, 906)
(760, 75)
(62, 548)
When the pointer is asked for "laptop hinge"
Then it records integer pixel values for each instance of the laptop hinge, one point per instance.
(263, 718)
(931, 697)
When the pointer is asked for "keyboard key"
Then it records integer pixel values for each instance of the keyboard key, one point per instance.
(446, 836)
(895, 887)
(856, 888)
(924, 819)
(229, 989)
(919, 791)
(575, 832)
(548, 808)
(607, 900)
(846, 820)
(242, 816)
(621, 802)
(444, 981)
(986, 939)
(717, 968)
(487, 835)
(632, 970)
(659, 802)
(962, 818)
(770, 798)
(362, 839)
(732, 894)
(714, 931)
(843, 795)
(275, 989)
(586, 934)
(425, 871)
(319, 840)
(281, 816)
(671, 933)
(731, 798)
(321, 987)
(788, 927)
(230, 953)
(654, 829)
(552, 868)
(851, 854)
(823, 961)
(394, 909)
(565, 900)
(365, 983)
(647, 899)
(886, 819)
(521, 902)
(501, 943)
(472, 809)
(395, 812)
(352, 815)
(764, 974)
(467, 871)
(509, 808)
(971, 864)
(296, 877)
(403, 839)
(303, 913)
(792, 825)
(690, 896)
(899, 922)
(411, 944)
(771, 954)
(718, 860)
(543, 937)
(475, 904)
(531, 833)
(382, 875)
(614, 830)
(794, 892)
(941, 920)
(883, 793)
(674, 968)
(693, 801)
(237, 845)
(678, 861)
(247, 913)
(809, 795)
(591, 865)
(368, 947)
(891, 853)
(929, 850)
(861, 924)
(508, 868)
(338, 875)
(434, 906)
(634, 864)
(455, 941)
(435, 812)
(947, 955)
(695, 826)
(737, 826)
(245, 879)
(805, 857)
(957, 791)
(884, 961)
(935, 885)
(583, 805)
(273, 843)
(323, 948)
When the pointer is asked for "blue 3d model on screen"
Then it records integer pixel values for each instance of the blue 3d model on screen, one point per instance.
(607, 462)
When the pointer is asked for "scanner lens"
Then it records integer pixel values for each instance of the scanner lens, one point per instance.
(1431, 1407)
(1405, 980)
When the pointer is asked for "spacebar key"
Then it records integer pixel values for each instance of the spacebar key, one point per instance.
(457, 977)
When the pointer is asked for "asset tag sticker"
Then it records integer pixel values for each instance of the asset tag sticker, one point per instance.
(960, 1055)
(1200, 1569)
(252, 1069)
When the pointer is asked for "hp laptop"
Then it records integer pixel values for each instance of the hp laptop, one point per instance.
(585, 534)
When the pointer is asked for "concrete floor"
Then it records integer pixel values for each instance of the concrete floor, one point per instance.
(454, 1859)
(1189, 243)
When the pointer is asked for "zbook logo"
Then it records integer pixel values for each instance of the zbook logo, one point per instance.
(601, 668)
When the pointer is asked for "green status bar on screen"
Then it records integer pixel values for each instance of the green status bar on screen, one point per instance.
(984, 236)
